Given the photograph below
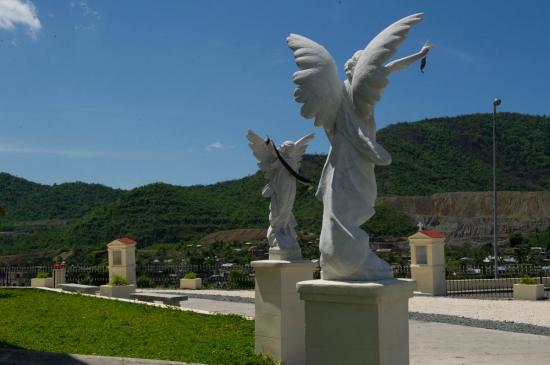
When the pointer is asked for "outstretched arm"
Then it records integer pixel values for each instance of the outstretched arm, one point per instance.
(407, 61)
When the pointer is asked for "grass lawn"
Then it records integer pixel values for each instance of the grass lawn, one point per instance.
(47, 321)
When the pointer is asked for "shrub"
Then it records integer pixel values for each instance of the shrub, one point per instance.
(238, 279)
(42, 275)
(190, 275)
(118, 281)
(145, 282)
(527, 280)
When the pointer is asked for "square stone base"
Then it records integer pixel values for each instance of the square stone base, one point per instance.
(430, 279)
(279, 320)
(42, 283)
(191, 283)
(117, 291)
(353, 323)
(528, 291)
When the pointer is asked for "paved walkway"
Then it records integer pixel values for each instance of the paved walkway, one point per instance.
(529, 312)
(445, 344)
(220, 306)
(520, 311)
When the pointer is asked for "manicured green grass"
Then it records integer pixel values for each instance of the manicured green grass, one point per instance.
(47, 321)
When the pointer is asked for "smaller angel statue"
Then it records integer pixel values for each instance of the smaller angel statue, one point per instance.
(281, 168)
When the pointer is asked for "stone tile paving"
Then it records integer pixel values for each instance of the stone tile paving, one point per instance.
(246, 296)
(438, 343)
(220, 306)
(521, 311)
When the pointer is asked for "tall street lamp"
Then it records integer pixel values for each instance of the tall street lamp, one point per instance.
(496, 103)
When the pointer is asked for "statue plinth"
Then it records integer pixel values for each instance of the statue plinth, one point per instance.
(356, 322)
(285, 254)
(279, 324)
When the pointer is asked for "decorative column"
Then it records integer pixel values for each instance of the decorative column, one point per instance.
(428, 261)
(279, 317)
(353, 323)
(122, 259)
(59, 274)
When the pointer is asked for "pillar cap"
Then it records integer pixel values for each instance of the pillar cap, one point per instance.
(427, 234)
(122, 241)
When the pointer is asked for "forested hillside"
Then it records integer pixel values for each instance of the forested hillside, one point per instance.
(430, 156)
(25, 201)
(455, 154)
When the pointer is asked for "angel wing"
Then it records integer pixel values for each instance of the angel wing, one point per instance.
(319, 87)
(300, 147)
(261, 150)
(370, 75)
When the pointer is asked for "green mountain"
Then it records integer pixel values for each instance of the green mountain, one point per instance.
(429, 156)
(25, 201)
(455, 154)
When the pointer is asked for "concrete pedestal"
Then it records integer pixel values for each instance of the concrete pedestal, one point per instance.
(352, 323)
(191, 283)
(279, 310)
(59, 275)
(430, 279)
(117, 291)
(528, 291)
(122, 259)
(428, 262)
(42, 283)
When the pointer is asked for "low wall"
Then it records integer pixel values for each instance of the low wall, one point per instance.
(474, 284)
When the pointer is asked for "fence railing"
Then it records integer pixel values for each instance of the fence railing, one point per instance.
(480, 281)
(472, 281)
(158, 275)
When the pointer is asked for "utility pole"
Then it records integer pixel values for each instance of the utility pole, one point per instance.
(496, 103)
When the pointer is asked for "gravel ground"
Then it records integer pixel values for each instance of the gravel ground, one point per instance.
(481, 323)
(535, 313)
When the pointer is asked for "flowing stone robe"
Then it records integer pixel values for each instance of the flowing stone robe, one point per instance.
(346, 111)
(281, 188)
(282, 191)
(348, 191)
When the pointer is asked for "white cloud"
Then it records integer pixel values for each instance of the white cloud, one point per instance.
(10, 148)
(19, 12)
(217, 146)
(459, 54)
(90, 17)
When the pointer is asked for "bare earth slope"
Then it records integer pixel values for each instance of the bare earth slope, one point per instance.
(469, 216)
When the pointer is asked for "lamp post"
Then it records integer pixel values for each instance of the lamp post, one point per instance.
(496, 103)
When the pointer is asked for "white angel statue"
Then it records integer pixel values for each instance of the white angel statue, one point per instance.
(281, 168)
(346, 111)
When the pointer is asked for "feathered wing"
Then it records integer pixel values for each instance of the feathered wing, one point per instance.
(300, 147)
(370, 75)
(261, 150)
(319, 87)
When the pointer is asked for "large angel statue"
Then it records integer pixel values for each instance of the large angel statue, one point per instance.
(281, 168)
(346, 111)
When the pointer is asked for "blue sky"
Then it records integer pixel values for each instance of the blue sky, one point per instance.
(127, 93)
